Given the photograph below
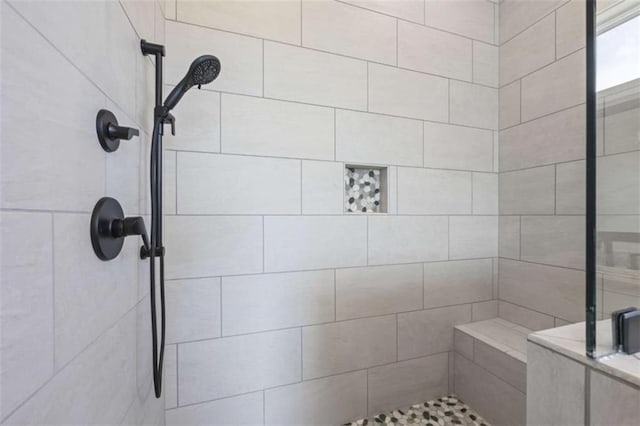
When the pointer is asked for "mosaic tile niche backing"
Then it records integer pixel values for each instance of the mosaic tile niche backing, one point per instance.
(365, 189)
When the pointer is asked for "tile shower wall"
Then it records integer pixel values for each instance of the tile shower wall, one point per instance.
(542, 122)
(284, 308)
(75, 330)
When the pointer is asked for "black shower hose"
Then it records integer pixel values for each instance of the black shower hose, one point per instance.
(157, 250)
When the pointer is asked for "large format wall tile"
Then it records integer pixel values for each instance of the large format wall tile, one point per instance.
(517, 15)
(529, 51)
(555, 138)
(107, 290)
(553, 240)
(430, 331)
(570, 28)
(219, 245)
(400, 92)
(457, 147)
(407, 239)
(485, 64)
(425, 191)
(570, 187)
(193, 309)
(529, 191)
(230, 184)
(240, 56)
(485, 193)
(348, 345)
(473, 105)
(314, 242)
(509, 237)
(35, 164)
(510, 105)
(473, 19)
(257, 126)
(525, 317)
(378, 290)
(331, 400)
(555, 87)
(253, 303)
(198, 128)
(27, 305)
(322, 187)
(612, 402)
(557, 385)
(351, 31)
(372, 138)
(424, 49)
(273, 20)
(244, 409)
(457, 282)
(548, 289)
(473, 237)
(212, 369)
(407, 382)
(308, 76)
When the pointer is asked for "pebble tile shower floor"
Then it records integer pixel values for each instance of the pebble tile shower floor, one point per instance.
(445, 411)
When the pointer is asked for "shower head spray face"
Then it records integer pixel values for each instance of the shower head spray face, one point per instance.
(203, 70)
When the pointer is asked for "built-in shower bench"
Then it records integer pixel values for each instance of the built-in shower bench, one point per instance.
(490, 369)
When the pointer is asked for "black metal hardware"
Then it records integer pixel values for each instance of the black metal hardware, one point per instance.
(110, 133)
(109, 227)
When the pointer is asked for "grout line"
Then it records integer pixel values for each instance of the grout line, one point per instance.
(264, 407)
(549, 64)
(301, 355)
(263, 266)
(397, 40)
(263, 65)
(177, 378)
(53, 290)
(368, 107)
(335, 129)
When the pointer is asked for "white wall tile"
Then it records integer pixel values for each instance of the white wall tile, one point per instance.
(525, 317)
(170, 377)
(470, 18)
(429, 332)
(529, 191)
(411, 10)
(107, 290)
(219, 245)
(473, 237)
(570, 27)
(481, 311)
(516, 15)
(331, 400)
(528, 51)
(406, 383)
(303, 75)
(283, 129)
(454, 283)
(169, 180)
(351, 31)
(510, 105)
(457, 147)
(378, 290)
(240, 56)
(313, 242)
(504, 366)
(378, 139)
(230, 184)
(400, 92)
(547, 289)
(27, 305)
(253, 303)
(473, 105)
(425, 191)
(485, 193)
(485, 64)
(554, 240)
(141, 15)
(212, 369)
(618, 185)
(407, 239)
(237, 410)
(432, 51)
(274, 20)
(35, 167)
(322, 187)
(555, 87)
(612, 401)
(555, 138)
(348, 345)
(509, 244)
(98, 386)
(197, 122)
(193, 309)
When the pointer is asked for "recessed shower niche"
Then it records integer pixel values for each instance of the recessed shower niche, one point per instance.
(365, 189)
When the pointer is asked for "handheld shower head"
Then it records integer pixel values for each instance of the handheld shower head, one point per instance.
(203, 70)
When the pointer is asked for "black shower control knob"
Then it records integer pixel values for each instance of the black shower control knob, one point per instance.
(110, 133)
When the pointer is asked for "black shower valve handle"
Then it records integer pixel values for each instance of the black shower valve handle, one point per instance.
(121, 132)
(110, 133)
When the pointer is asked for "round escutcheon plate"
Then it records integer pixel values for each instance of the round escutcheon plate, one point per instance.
(104, 213)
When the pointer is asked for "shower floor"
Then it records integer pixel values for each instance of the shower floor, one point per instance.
(445, 411)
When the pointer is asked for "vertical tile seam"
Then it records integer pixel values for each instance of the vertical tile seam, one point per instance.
(335, 295)
(263, 246)
(301, 192)
(264, 407)
(177, 377)
(220, 106)
(53, 293)
(221, 319)
(176, 182)
(367, 86)
(397, 40)
(263, 53)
